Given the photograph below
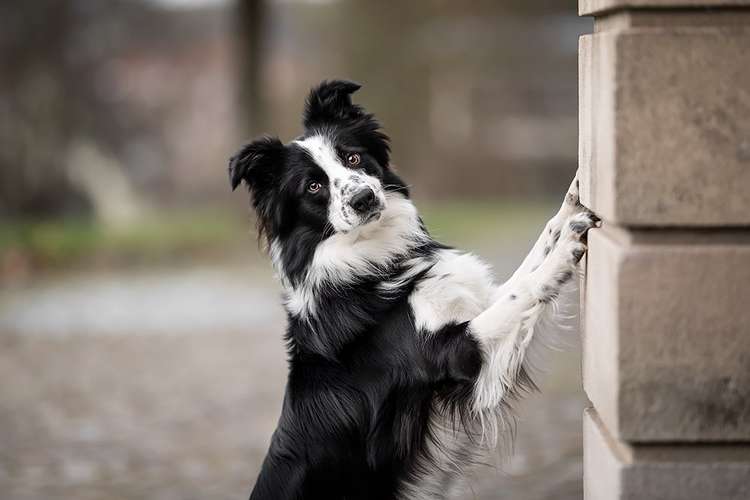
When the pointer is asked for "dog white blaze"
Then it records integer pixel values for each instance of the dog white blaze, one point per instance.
(343, 182)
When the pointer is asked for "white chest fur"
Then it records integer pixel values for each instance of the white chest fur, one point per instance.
(457, 288)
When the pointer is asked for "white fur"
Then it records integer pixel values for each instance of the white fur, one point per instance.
(457, 288)
(511, 323)
(454, 456)
(514, 331)
(361, 252)
(545, 241)
(343, 182)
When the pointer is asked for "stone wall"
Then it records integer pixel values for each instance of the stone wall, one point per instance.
(664, 116)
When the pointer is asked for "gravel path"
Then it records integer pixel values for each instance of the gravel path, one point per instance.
(168, 385)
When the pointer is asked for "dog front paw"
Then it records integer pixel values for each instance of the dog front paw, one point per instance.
(569, 211)
(577, 226)
(570, 247)
(574, 235)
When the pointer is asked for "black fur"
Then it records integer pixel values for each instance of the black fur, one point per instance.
(364, 384)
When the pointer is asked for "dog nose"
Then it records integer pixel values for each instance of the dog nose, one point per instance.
(363, 201)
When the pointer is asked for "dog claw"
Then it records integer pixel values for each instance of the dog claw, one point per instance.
(578, 254)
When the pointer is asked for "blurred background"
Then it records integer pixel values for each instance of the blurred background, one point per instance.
(140, 325)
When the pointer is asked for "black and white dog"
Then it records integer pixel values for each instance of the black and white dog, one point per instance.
(402, 351)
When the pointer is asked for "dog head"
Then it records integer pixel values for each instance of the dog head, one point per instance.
(333, 179)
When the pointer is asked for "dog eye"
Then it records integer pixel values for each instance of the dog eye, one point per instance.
(353, 159)
(314, 187)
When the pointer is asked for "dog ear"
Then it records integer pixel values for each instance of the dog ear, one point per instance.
(330, 101)
(256, 163)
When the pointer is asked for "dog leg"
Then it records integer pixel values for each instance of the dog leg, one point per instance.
(512, 327)
(547, 241)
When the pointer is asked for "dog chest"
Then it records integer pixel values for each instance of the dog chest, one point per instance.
(457, 288)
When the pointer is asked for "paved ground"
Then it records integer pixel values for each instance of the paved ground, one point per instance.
(167, 386)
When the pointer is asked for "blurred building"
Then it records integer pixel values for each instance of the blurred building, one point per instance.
(479, 97)
(136, 86)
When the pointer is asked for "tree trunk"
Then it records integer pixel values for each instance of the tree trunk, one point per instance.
(251, 18)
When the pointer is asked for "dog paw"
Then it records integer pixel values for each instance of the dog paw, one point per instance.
(570, 207)
(579, 224)
(560, 266)
(574, 235)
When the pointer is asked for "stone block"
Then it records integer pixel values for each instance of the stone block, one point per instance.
(598, 7)
(617, 471)
(673, 19)
(667, 334)
(664, 118)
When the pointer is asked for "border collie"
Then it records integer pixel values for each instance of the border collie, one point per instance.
(403, 353)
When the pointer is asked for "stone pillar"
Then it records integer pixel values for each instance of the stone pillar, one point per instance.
(665, 161)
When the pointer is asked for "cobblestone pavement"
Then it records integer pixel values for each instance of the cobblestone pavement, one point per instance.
(168, 385)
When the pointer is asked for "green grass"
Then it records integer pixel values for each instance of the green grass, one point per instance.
(457, 222)
(197, 233)
(157, 237)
